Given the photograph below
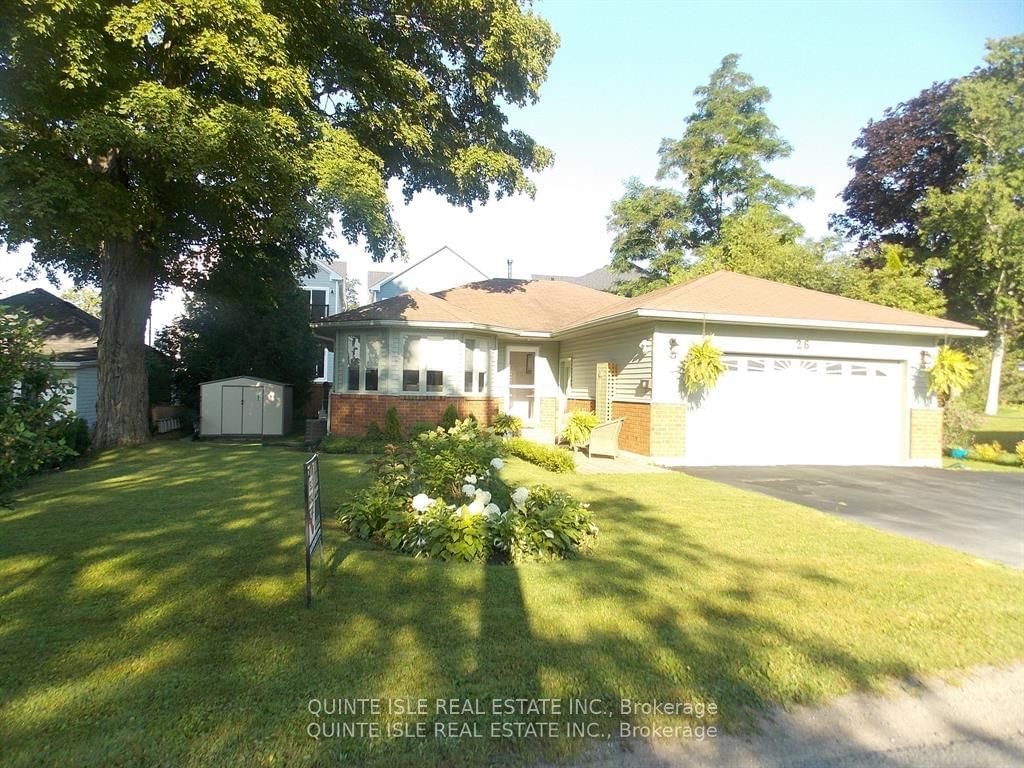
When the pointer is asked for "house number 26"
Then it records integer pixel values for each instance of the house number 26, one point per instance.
(803, 344)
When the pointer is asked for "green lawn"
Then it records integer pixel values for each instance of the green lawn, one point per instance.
(151, 613)
(1007, 426)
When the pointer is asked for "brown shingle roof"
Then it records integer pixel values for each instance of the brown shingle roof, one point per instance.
(729, 293)
(528, 305)
(524, 305)
(69, 332)
(553, 305)
(412, 306)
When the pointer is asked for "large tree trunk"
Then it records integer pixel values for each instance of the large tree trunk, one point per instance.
(127, 277)
(996, 373)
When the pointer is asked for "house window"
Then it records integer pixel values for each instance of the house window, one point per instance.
(318, 308)
(364, 353)
(411, 364)
(423, 364)
(374, 354)
(475, 373)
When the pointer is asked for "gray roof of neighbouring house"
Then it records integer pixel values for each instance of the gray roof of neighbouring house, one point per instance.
(340, 268)
(71, 334)
(601, 279)
(372, 277)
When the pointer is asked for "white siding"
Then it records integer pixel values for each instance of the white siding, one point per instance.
(621, 348)
(793, 342)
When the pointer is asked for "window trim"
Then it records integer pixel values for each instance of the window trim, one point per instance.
(423, 369)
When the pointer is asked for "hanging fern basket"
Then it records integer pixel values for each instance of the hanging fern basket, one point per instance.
(702, 366)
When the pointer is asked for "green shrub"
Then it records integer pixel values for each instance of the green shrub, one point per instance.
(33, 396)
(1020, 453)
(348, 444)
(549, 457)
(578, 427)
(444, 458)
(392, 427)
(507, 425)
(988, 451)
(450, 417)
(374, 432)
(441, 496)
(74, 432)
(958, 424)
(420, 427)
(702, 366)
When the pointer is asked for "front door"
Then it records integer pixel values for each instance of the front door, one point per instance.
(522, 383)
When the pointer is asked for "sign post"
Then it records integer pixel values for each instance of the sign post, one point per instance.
(314, 528)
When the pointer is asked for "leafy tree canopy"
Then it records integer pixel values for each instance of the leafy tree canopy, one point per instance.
(720, 166)
(143, 142)
(978, 224)
(85, 298)
(912, 149)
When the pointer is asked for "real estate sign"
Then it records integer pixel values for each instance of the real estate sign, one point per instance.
(314, 527)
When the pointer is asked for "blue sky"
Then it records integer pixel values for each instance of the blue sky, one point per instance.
(623, 79)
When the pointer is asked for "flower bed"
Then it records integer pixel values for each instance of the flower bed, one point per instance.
(441, 496)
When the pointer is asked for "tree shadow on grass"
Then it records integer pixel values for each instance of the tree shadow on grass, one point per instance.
(157, 625)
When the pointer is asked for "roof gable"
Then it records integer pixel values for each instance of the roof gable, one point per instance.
(443, 250)
(70, 333)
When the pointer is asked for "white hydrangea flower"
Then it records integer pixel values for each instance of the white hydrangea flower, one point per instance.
(476, 507)
(469, 490)
(483, 496)
(519, 496)
(492, 510)
(471, 479)
(421, 502)
(497, 463)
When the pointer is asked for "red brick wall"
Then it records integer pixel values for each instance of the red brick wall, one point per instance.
(352, 414)
(636, 429)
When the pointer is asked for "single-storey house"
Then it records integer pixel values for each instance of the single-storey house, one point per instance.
(811, 378)
(71, 335)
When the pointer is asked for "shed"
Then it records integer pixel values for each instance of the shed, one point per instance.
(244, 405)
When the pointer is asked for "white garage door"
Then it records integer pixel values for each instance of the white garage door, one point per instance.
(792, 410)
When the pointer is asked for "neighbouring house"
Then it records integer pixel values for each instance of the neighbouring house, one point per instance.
(325, 290)
(601, 279)
(71, 335)
(442, 269)
(811, 378)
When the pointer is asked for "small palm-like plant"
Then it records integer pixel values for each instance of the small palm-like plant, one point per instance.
(702, 366)
(507, 425)
(578, 427)
(950, 374)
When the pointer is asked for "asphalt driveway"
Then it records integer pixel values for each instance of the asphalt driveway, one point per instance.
(981, 513)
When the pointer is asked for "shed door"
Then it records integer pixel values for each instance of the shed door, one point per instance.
(797, 410)
(241, 410)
